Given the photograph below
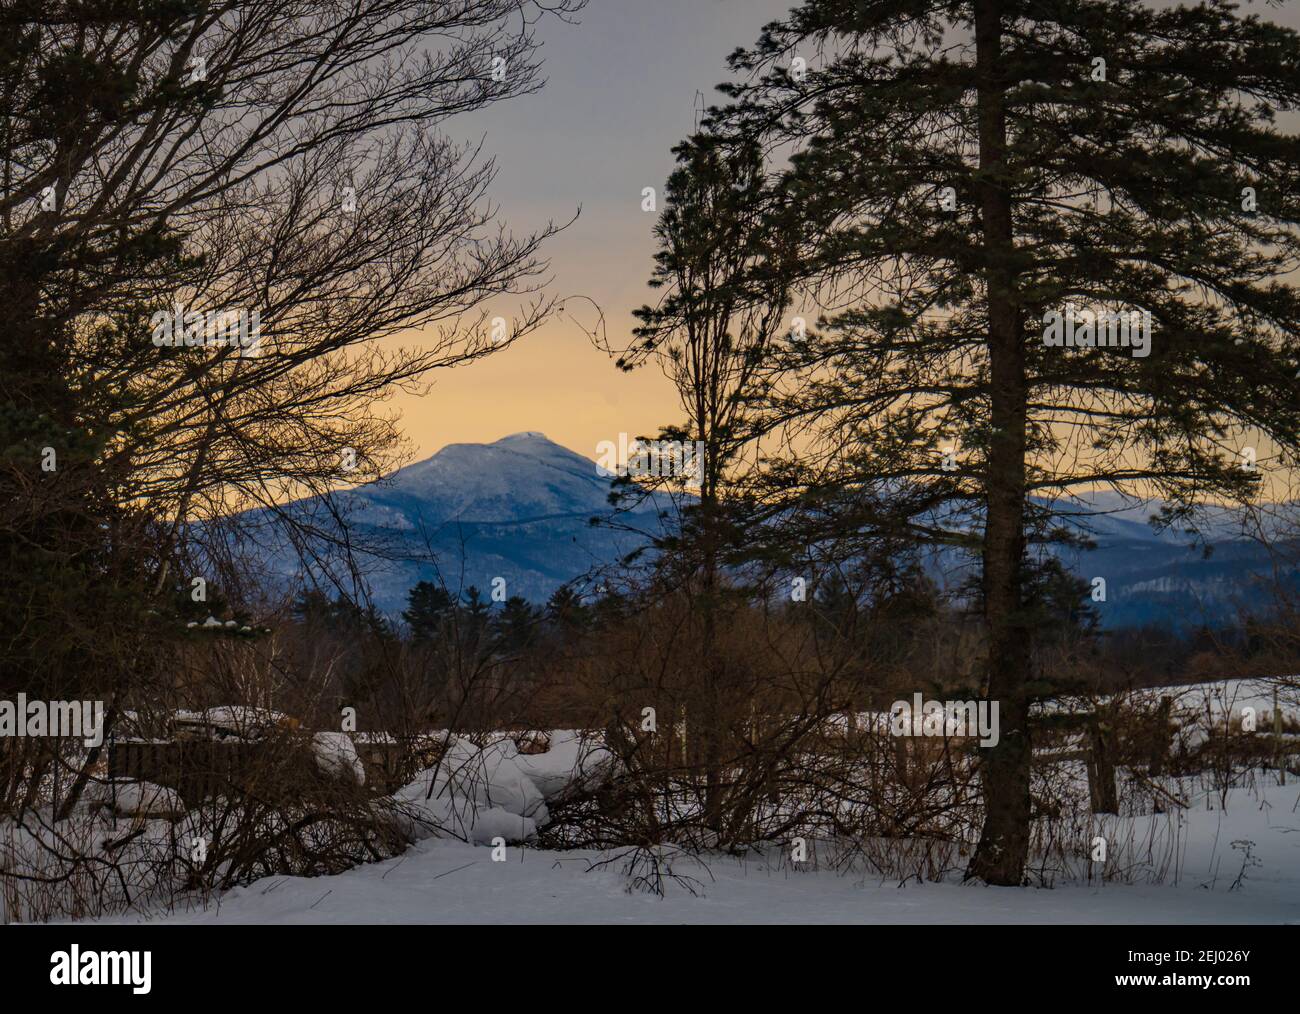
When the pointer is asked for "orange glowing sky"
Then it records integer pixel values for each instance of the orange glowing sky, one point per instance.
(623, 85)
(622, 88)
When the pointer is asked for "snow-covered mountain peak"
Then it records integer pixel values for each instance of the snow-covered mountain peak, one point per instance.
(518, 477)
(520, 508)
(524, 437)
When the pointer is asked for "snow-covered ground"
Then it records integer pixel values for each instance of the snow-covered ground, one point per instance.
(445, 881)
(1201, 861)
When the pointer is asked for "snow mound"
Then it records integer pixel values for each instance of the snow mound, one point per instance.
(337, 757)
(572, 760)
(494, 777)
(478, 793)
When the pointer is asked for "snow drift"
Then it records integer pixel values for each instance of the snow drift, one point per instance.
(480, 793)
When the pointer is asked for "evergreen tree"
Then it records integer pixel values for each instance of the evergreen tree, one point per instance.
(837, 603)
(971, 179)
(428, 607)
(565, 609)
(723, 298)
(474, 615)
(515, 625)
(1059, 602)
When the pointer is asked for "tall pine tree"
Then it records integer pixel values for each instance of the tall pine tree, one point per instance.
(964, 171)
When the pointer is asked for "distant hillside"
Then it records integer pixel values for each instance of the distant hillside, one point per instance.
(520, 509)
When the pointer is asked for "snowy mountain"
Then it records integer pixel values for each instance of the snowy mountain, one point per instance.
(517, 510)
(520, 510)
(1163, 577)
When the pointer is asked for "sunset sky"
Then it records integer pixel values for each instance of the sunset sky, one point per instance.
(622, 88)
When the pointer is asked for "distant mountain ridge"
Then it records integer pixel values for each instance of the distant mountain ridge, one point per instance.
(520, 509)
(1161, 577)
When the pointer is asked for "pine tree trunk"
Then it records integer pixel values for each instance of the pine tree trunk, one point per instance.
(1003, 848)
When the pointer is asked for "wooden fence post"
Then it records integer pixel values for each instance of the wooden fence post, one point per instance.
(1279, 761)
(1101, 766)
(900, 758)
(1162, 740)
